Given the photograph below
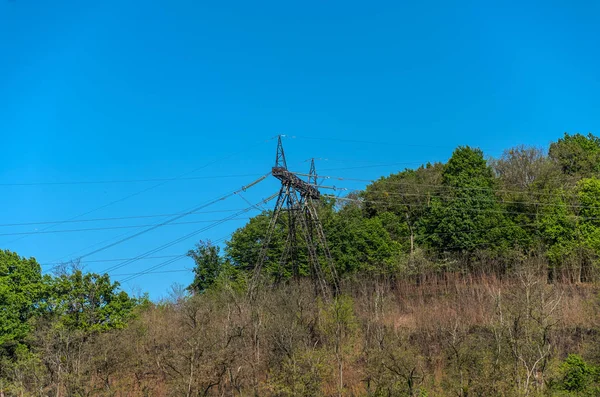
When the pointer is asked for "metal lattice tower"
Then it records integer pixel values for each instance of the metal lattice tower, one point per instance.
(299, 200)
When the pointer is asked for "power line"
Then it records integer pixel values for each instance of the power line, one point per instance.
(372, 166)
(173, 219)
(441, 187)
(363, 142)
(110, 228)
(471, 199)
(87, 247)
(160, 265)
(175, 258)
(152, 269)
(462, 209)
(127, 181)
(180, 239)
(418, 236)
(362, 201)
(151, 187)
(118, 218)
(155, 272)
(109, 260)
(386, 182)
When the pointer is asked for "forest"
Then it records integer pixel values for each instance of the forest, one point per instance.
(475, 277)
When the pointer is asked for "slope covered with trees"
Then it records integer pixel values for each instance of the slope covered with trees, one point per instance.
(474, 277)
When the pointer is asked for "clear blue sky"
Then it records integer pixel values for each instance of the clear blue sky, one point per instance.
(121, 90)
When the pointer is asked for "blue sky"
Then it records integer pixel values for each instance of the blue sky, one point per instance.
(112, 90)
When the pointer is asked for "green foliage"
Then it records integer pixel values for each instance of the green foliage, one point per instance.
(88, 302)
(467, 215)
(515, 215)
(360, 244)
(402, 200)
(302, 374)
(588, 191)
(577, 378)
(208, 266)
(243, 250)
(558, 229)
(337, 318)
(443, 214)
(576, 373)
(21, 289)
(467, 167)
(577, 155)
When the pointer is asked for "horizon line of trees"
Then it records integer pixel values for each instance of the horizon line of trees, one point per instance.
(447, 217)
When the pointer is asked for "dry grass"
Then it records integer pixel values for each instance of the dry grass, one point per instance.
(441, 334)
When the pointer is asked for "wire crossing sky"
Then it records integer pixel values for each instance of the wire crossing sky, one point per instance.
(124, 110)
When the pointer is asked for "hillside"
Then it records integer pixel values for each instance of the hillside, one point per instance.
(476, 277)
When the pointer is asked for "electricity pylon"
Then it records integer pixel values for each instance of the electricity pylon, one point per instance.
(299, 199)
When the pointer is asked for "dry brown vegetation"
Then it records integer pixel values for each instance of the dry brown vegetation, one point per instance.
(448, 335)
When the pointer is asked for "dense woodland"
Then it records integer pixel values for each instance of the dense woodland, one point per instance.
(477, 277)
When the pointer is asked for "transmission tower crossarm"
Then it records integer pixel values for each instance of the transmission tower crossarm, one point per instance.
(289, 178)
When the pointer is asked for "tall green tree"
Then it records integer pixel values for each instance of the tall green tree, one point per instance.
(21, 292)
(208, 266)
(467, 215)
(588, 191)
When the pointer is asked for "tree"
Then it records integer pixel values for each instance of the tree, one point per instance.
(467, 214)
(338, 324)
(577, 155)
(21, 290)
(360, 244)
(588, 192)
(88, 302)
(243, 250)
(577, 375)
(521, 167)
(407, 195)
(209, 265)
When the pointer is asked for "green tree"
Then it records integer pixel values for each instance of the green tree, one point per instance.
(588, 192)
(467, 214)
(244, 247)
(408, 195)
(360, 244)
(208, 266)
(21, 291)
(577, 155)
(88, 302)
(576, 373)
